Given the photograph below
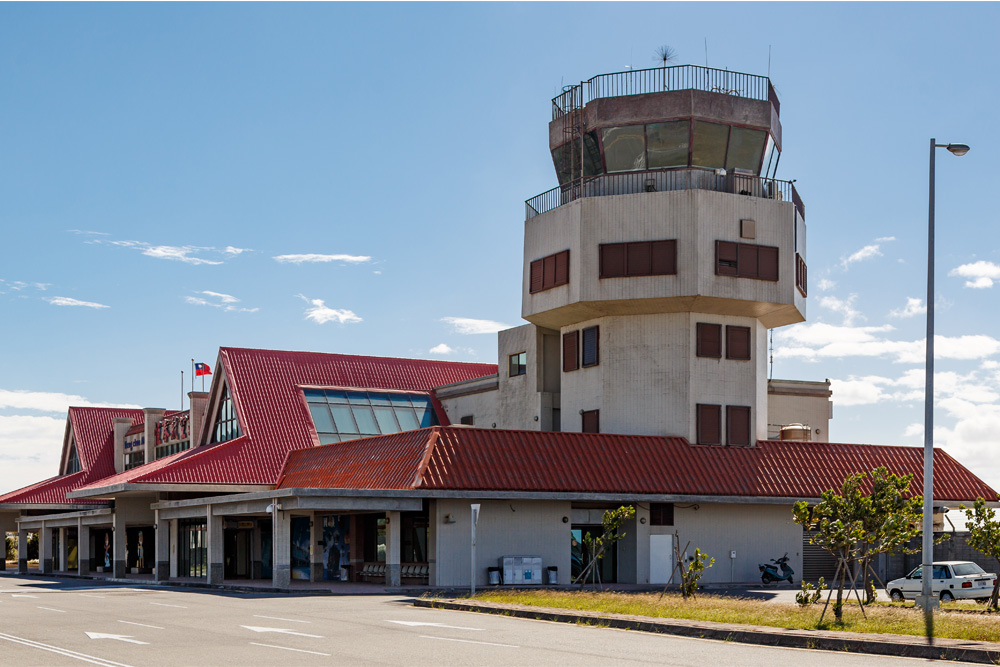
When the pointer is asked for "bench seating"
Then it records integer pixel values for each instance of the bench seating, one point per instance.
(411, 573)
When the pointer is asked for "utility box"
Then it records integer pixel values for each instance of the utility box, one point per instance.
(521, 570)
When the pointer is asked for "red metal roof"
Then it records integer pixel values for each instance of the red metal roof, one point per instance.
(275, 420)
(442, 458)
(93, 429)
(51, 491)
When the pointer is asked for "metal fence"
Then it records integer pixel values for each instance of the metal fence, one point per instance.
(664, 180)
(660, 79)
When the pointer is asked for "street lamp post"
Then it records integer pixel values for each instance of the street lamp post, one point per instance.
(927, 600)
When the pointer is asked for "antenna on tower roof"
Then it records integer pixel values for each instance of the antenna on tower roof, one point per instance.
(768, 61)
(706, 52)
(770, 372)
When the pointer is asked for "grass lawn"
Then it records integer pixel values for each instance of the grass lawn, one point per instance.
(882, 618)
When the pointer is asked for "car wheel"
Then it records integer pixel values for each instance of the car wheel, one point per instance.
(946, 596)
(896, 596)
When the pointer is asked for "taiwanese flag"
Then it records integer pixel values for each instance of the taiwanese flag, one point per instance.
(202, 369)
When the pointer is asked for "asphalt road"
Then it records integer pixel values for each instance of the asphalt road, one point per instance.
(67, 622)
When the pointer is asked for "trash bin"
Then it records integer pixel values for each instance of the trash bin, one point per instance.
(494, 573)
(553, 575)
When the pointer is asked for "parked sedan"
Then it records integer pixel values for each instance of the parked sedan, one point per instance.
(952, 579)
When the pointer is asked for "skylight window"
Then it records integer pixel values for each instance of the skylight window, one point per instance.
(227, 426)
(73, 462)
(341, 415)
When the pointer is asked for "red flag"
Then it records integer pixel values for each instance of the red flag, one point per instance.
(202, 369)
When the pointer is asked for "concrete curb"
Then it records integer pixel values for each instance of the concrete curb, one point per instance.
(987, 653)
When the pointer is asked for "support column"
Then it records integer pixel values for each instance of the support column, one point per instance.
(119, 547)
(257, 565)
(22, 551)
(392, 548)
(7, 524)
(174, 541)
(161, 567)
(216, 547)
(82, 548)
(45, 549)
(315, 548)
(281, 559)
(63, 554)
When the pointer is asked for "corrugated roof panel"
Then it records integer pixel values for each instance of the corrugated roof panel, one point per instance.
(49, 492)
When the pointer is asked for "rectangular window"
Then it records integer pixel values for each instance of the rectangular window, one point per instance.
(639, 258)
(738, 425)
(591, 346)
(467, 420)
(591, 421)
(738, 343)
(661, 514)
(801, 274)
(709, 340)
(571, 350)
(709, 424)
(518, 363)
(746, 260)
(549, 272)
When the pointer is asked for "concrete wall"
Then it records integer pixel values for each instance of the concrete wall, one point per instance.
(506, 528)
(800, 402)
(481, 400)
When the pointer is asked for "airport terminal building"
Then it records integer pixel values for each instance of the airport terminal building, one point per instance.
(651, 276)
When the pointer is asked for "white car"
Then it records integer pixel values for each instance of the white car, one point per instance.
(952, 579)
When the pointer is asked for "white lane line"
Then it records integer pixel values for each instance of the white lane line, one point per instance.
(285, 648)
(435, 625)
(118, 638)
(282, 631)
(160, 604)
(142, 625)
(468, 641)
(278, 618)
(61, 611)
(61, 651)
(88, 595)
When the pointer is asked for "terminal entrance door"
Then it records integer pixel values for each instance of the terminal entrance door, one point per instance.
(238, 563)
(581, 556)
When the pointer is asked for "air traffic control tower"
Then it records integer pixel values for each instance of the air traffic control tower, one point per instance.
(666, 253)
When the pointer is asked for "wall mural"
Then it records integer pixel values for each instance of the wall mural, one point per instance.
(300, 547)
(336, 554)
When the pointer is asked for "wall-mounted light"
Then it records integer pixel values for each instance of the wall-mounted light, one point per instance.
(494, 424)
(565, 519)
(642, 519)
(449, 518)
(536, 417)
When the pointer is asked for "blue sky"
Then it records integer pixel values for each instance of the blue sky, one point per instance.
(170, 172)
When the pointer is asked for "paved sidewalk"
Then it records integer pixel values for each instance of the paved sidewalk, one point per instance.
(877, 644)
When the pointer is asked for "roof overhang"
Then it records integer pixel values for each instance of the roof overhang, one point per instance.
(128, 488)
(99, 517)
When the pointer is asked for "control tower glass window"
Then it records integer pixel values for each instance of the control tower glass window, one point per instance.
(567, 158)
(667, 144)
(625, 148)
(746, 147)
(710, 142)
(340, 415)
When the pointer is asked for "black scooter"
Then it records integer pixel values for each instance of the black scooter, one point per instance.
(769, 573)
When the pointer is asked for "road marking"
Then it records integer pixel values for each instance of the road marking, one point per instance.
(62, 651)
(285, 648)
(435, 625)
(282, 631)
(61, 611)
(120, 638)
(22, 595)
(88, 595)
(468, 641)
(143, 625)
(161, 604)
(277, 618)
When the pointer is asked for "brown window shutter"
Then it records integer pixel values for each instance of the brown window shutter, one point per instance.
(767, 262)
(535, 283)
(747, 260)
(637, 259)
(801, 277)
(738, 424)
(737, 342)
(726, 258)
(709, 424)
(591, 421)
(549, 272)
(571, 347)
(591, 345)
(709, 340)
(562, 268)
(663, 258)
(612, 260)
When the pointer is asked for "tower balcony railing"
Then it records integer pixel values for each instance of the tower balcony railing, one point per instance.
(665, 180)
(661, 79)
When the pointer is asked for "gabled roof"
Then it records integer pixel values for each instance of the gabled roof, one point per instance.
(275, 420)
(93, 429)
(457, 458)
(51, 491)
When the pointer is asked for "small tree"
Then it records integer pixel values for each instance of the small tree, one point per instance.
(695, 568)
(810, 594)
(984, 537)
(611, 524)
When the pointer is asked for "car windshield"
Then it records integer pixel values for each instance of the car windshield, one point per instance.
(965, 569)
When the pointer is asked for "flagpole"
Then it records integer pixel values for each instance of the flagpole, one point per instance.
(182, 391)
(192, 375)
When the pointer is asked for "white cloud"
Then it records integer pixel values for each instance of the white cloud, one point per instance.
(867, 252)
(466, 325)
(843, 306)
(177, 253)
(441, 349)
(87, 232)
(313, 257)
(321, 313)
(67, 301)
(913, 307)
(19, 285)
(44, 401)
(224, 298)
(30, 447)
(825, 285)
(980, 274)
(885, 239)
(223, 301)
(235, 251)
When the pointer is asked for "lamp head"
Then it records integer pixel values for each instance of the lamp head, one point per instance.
(958, 149)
